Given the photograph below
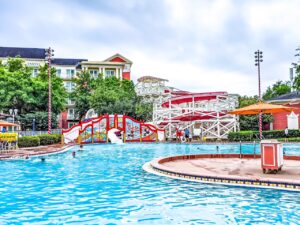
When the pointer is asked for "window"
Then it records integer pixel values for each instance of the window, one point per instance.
(94, 73)
(71, 114)
(70, 73)
(70, 101)
(70, 86)
(58, 72)
(34, 72)
(110, 73)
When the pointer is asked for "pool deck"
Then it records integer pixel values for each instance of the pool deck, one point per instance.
(32, 151)
(236, 168)
(228, 169)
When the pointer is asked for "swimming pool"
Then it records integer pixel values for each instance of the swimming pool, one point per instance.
(105, 184)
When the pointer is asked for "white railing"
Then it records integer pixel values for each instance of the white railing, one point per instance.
(35, 133)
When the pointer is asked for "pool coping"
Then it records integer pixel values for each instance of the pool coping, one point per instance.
(156, 167)
(37, 155)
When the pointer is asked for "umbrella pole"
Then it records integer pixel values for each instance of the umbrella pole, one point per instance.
(260, 126)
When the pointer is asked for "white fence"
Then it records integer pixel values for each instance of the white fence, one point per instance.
(35, 133)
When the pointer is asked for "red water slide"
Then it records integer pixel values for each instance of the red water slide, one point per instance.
(180, 97)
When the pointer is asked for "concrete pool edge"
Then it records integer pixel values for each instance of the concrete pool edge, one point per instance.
(155, 167)
(37, 155)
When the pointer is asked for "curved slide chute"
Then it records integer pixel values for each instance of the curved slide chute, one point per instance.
(111, 134)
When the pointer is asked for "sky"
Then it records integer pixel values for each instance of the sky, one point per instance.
(198, 45)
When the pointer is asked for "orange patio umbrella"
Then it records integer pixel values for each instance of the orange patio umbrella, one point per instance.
(261, 108)
(7, 124)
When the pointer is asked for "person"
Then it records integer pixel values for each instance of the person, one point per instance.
(43, 159)
(187, 134)
(81, 147)
(286, 134)
(200, 134)
(73, 154)
(178, 134)
(3, 129)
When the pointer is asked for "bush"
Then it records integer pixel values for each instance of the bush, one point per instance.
(254, 135)
(242, 136)
(294, 139)
(49, 139)
(28, 141)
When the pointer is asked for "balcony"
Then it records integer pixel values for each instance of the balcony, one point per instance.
(71, 117)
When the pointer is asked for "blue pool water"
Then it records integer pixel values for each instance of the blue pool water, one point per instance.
(105, 184)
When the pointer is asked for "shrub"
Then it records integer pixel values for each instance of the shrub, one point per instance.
(293, 139)
(49, 139)
(254, 135)
(28, 141)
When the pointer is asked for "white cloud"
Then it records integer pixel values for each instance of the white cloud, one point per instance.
(190, 77)
(205, 45)
(279, 17)
(206, 17)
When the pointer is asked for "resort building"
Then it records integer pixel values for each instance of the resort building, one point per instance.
(33, 57)
(116, 65)
(286, 119)
(66, 68)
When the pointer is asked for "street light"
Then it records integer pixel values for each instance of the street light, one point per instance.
(49, 54)
(33, 125)
(258, 59)
(13, 112)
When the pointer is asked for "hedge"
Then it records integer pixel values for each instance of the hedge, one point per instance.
(28, 141)
(254, 135)
(294, 139)
(47, 139)
(32, 141)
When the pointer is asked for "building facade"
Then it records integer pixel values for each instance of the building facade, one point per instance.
(116, 65)
(286, 119)
(66, 68)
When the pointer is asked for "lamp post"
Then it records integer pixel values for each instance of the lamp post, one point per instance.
(13, 112)
(33, 125)
(49, 54)
(258, 59)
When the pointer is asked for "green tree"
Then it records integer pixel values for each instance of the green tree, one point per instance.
(143, 111)
(113, 95)
(277, 89)
(85, 84)
(296, 65)
(250, 122)
(296, 83)
(16, 86)
(40, 91)
(26, 93)
(41, 121)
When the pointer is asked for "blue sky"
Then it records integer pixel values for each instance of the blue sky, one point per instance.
(197, 45)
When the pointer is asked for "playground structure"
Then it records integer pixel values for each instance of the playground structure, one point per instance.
(204, 114)
(96, 130)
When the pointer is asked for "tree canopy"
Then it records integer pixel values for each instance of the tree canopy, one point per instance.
(20, 90)
(250, 122)
(85, 84)
(113, 95)
(108, 96)
(277, 89)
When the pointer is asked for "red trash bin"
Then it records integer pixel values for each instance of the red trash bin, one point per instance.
(271, 155)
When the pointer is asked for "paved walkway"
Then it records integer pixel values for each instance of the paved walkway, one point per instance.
(27, 152)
